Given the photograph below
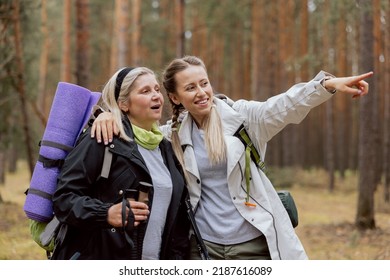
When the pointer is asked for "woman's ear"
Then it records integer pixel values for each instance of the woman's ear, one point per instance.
(123, 106)
(174, 98)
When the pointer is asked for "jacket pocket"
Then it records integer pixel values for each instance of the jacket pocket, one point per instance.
(126, 180)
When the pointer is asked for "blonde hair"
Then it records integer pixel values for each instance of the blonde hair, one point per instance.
(214, 140)
(108, 95)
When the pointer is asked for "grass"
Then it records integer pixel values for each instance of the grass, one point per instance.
(326, 220)
(15, 240)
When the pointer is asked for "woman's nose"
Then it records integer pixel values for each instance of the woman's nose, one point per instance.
(200, 91)
(156, 94)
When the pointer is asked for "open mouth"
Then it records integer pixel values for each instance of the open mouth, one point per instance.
(156, 107)
(202, 102)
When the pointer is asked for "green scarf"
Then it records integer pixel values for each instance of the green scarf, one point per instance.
(147, 139)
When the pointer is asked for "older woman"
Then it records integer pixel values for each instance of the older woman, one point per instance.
(137, 211)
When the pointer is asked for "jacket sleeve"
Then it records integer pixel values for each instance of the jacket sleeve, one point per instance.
(266, 119)
(74, 201)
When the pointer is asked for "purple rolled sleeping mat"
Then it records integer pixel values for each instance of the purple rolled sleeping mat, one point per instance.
(69, 113)
(94, 98)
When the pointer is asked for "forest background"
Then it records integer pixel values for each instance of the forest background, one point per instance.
(253, 49)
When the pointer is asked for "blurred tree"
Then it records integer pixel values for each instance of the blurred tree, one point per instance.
(257, 14)
(269, 71)
(43, 110)
(121, 28)
(328, 54)
(342, 110)
(136, 33)
(82, 43)
(66, 73)
(179, 26)
(302, 72)
(20, 83)
(368, 135)
(386, 102)
(286, 75)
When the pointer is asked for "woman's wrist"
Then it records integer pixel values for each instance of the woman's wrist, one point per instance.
(329, 89)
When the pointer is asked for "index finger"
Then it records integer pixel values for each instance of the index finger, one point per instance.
(363, 76)
(138, 205)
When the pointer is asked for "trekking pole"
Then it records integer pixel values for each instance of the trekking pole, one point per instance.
(201, 246)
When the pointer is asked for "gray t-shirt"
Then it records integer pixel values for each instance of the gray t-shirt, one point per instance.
(216, 216)
(162, 186)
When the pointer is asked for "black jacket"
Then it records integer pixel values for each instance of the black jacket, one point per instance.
(82, 200)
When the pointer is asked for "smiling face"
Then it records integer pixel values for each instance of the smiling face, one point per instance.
(194, 92)
(145, 104)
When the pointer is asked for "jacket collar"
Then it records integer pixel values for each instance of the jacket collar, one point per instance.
(123, 147)
(130, 149)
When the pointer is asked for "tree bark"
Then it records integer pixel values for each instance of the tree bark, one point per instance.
(386, 117)
(20, 84)
(82, 43)
(180, 29)
(342, 110)
(256, 16)
(136, 33)
(286, 76)
(368, 131)
(42, 95)
(329, 125)
(66, 43)
(377, 81)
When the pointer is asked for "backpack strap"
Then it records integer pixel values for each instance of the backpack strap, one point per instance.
(49, 163)
(106, 163)
(242, 134)
(250, 153)
(204, 255)
(55, 145)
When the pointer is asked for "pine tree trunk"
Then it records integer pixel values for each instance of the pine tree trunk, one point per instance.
(42, 94)
(342, 110)
(66, 43)
(82, 43)
(329, 125)
(256, 55)
(21, 85)
(136, 33)
(377, 81)
(386, 122)
(180, 45)
(368, 132)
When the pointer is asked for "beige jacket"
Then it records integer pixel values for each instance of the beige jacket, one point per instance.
(263, 120)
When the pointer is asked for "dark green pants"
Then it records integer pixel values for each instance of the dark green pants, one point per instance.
(255, 249)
